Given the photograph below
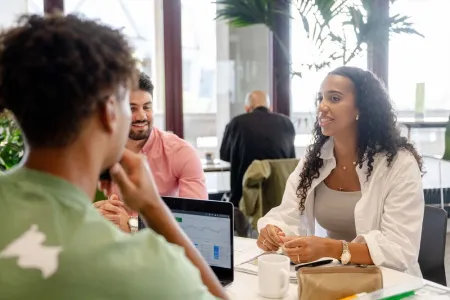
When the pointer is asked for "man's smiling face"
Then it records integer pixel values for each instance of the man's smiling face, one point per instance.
(142, 115)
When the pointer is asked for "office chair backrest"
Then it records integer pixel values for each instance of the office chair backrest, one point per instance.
(432, 245)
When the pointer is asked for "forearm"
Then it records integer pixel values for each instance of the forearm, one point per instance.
(359, 252)
(162, 221)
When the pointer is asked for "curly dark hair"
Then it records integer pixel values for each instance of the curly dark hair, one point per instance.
(377, 130)
(145, 83)
(56, 70)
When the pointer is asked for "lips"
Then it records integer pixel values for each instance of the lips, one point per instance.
(140, 125)
(323, 121)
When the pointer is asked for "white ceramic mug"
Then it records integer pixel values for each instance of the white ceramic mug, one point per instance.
(273, 275)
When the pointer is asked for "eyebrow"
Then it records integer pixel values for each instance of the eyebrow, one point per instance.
(146, 103)
(333, 92)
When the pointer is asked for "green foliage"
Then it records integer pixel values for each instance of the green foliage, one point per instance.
(346, 25)
(11, 142)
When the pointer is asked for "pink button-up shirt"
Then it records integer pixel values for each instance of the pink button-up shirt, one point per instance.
(175, 165)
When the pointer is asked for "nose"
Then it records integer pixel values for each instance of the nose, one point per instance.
(323, 107)
(140, 115)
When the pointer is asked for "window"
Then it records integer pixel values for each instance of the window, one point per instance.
(199, 57)
(304, 89)
(139, 21)
(413, 59)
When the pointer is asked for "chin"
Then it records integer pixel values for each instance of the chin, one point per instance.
(327, 132)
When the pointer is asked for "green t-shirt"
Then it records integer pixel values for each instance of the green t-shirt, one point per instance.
(55, 245)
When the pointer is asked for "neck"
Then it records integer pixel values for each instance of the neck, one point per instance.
(72, 164)
(345, 149)
(136, 146)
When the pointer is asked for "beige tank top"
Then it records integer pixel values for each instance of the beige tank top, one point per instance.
(335, 212)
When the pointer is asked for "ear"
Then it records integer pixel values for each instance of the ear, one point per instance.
(108, 115)
(248, 108)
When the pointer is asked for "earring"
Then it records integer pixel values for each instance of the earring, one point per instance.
(357, 117)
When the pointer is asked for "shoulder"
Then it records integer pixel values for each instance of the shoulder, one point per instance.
(236, 121)
(149, 264)
(174, 143)
(403, 160)
(403, 167)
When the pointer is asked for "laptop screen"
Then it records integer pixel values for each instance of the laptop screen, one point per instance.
(210, 234)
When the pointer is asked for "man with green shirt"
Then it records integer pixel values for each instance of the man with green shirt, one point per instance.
(67, 81)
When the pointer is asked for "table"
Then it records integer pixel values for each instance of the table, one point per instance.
(216, 166)
(245, 286)
(410, 123)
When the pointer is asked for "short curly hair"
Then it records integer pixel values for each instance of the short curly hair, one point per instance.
(377, 130)
(145, 83)
(56, 70)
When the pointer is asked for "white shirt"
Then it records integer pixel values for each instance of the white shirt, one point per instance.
(388, 217)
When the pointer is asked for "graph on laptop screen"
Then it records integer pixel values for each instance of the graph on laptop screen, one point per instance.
(210, 234)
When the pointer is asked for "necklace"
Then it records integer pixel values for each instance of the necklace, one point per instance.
(341, 188)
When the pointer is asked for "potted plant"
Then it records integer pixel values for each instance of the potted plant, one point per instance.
(11, 142)
(346, 25)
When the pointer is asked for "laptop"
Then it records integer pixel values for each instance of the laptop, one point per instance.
(210, 226)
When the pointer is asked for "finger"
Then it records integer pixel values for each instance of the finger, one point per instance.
(292, 251)
(262, 246)
(117, 203)
(273, 236)
(113, 209)
(112, 218)
(114, 197)
(296, 242)
(263, 239)
(100, 203)
(287, 239)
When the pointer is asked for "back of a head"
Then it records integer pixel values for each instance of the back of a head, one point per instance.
(55, 71)
(256, 99)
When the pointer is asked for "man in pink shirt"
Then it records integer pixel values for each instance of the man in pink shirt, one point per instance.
(174, 163)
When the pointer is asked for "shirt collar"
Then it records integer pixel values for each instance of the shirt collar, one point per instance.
(150, 141)
(261, 108)
(327, 151)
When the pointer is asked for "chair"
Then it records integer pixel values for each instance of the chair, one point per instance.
(446, 155)
(263, 186)
(432, 245)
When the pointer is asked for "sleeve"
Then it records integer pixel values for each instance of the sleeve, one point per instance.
(191, 178)
(225, 147)
(396, 245)
(287, 215)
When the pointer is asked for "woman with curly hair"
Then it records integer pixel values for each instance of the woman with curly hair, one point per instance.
(359, 184)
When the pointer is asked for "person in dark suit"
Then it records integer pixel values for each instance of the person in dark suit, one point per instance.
(259, 134)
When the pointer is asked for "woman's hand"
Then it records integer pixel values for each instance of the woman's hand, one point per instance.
(269, 238)
(310, 248)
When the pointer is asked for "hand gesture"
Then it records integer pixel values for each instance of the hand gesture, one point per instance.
(306, 249)
(113, 210)
(269, 238)
(135, 181)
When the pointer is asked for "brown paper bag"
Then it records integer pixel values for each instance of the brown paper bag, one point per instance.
(337, 282)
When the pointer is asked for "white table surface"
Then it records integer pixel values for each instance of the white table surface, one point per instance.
(245, 286)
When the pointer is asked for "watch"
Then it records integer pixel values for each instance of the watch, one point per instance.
(133, 223)
(345, 256)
